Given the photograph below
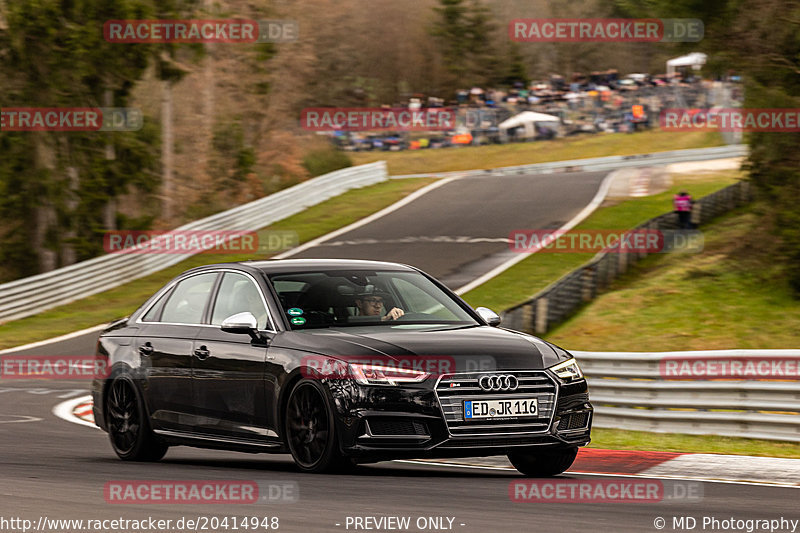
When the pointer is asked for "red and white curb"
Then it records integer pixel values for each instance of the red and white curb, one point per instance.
(76, 410)
(593, 461)
(741, 469)
(84, 411)
(640, 183)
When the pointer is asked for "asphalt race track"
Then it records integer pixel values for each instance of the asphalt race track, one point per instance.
(458, 231)
(55, 469)
(52, 468)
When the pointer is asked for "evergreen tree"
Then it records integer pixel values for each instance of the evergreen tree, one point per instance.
(464, 31)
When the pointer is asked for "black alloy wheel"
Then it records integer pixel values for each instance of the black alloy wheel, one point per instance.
(128, 427)
(311, 430)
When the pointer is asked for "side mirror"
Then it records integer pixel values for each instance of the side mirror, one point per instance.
(244, 323)
(491, 318)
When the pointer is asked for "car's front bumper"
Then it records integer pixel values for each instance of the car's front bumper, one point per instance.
(426, 420)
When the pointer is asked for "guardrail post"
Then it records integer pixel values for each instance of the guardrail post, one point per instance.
(642, 252)
(744, 191)
(588, 288)
(541, 315)
(611, 268)
(697, 214)
(527, 317)
(622, 263)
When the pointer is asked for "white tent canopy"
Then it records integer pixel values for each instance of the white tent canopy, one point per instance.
(694, 60)
(527, 119)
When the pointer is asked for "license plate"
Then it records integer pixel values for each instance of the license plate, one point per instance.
(518, 407)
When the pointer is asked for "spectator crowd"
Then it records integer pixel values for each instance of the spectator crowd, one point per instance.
(600, 102)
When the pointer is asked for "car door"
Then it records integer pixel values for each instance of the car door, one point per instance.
(232, 386)
(165, 345)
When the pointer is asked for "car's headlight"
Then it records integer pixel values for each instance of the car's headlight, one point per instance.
(384, 375)
(568, 370)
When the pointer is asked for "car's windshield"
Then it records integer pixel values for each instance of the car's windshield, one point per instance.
(320, 299)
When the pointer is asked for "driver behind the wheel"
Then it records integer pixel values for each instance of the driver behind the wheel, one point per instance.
(370, 302)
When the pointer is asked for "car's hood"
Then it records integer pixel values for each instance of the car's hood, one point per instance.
(474, 348)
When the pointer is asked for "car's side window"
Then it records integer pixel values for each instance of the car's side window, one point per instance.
(238, 294)
(188, 299)
(419, 301)
(154, 312)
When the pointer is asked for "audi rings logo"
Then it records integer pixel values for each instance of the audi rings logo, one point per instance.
(503, 382)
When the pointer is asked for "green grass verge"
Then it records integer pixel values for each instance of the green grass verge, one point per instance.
(617, 439)
(528, 277)
(121, 301)
(504, 155)
(734, 294)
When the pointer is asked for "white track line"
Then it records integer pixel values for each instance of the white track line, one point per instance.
(64, 411)
(577, 219)
(25, 418)
(374, 216)
(642, 475)
(55, 339)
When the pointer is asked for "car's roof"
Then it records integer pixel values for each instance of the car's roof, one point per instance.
(278, 266)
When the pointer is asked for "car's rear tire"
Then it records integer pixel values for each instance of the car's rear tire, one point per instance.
(310, 430)
(543, 464)
(128, 425)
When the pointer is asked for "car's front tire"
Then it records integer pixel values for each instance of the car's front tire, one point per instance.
(310, 430)
(128, 425)
(543, 464)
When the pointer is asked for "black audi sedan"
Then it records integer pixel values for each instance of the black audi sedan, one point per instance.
(337, 362)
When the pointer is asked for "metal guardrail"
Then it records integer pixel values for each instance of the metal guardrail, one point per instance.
(597, 164)
(562, 298)
(629, 392)
(28, 296)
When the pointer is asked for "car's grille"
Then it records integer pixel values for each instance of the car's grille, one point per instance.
(453, 389)
(573, 421)
(385, 427)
